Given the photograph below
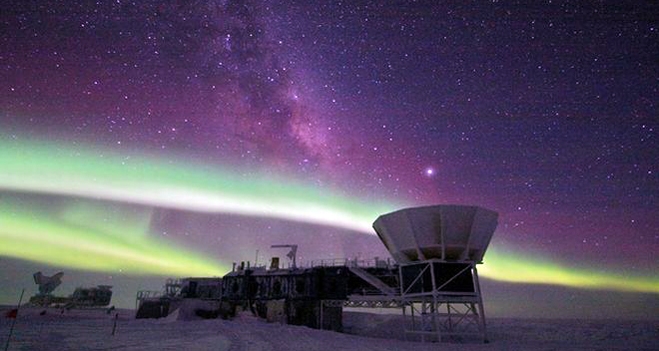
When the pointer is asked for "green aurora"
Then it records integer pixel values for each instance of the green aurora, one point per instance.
(122, 242)
(115, 247)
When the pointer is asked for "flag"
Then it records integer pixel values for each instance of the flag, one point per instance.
(12, 313)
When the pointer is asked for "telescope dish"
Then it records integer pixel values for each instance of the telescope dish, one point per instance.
(446, 232)
(47, 284)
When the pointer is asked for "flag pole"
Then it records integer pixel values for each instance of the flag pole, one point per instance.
(11, 329)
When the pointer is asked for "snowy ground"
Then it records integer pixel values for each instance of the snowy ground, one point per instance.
(92, 330)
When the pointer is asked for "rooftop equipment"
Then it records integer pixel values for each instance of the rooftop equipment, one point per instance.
(291, 254)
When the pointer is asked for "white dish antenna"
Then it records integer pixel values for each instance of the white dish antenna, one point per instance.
(446, 232)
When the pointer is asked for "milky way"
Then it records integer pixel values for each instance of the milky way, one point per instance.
(334, 113)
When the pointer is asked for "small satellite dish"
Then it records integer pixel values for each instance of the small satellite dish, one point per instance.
(47, 284)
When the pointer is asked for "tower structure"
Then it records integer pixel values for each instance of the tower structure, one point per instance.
(437, 249)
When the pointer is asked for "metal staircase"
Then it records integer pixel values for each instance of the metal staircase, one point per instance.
(374, 281)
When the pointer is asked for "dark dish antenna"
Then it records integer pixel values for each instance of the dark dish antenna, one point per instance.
(47, 284)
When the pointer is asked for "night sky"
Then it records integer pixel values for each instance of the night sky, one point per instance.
(169, 138)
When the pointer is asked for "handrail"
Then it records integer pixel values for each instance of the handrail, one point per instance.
(354, 262)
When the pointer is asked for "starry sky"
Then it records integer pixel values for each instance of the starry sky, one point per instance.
(172, 138)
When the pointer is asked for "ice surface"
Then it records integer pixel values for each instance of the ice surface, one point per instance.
(91, 330)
